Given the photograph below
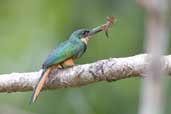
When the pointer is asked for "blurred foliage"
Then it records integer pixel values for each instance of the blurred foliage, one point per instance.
(30, 29)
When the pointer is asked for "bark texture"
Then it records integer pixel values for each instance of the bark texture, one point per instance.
(103, 70)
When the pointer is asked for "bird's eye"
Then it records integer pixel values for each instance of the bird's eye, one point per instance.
(85, 32)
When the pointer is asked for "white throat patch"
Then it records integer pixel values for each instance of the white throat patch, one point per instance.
(85, 40)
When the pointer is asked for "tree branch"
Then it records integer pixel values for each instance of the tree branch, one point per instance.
(104, 70)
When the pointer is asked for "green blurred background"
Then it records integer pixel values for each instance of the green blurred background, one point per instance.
(30, 29)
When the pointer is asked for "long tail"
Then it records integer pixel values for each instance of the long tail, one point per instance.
(40, 84)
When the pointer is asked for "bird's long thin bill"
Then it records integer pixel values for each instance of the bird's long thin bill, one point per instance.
(95, 30)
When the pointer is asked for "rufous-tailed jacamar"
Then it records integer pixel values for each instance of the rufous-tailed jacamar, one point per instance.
(62, 56)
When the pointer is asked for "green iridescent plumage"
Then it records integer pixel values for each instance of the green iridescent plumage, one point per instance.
(72, 48)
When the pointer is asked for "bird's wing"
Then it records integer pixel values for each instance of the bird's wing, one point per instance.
(64, 51)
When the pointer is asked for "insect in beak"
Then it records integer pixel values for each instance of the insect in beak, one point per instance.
(105, 27)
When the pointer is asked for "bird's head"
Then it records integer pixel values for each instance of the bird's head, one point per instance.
(85, 34)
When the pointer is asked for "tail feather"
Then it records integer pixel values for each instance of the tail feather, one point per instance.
(40, 84)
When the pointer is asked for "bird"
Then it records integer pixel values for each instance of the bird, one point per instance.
(65, 53)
